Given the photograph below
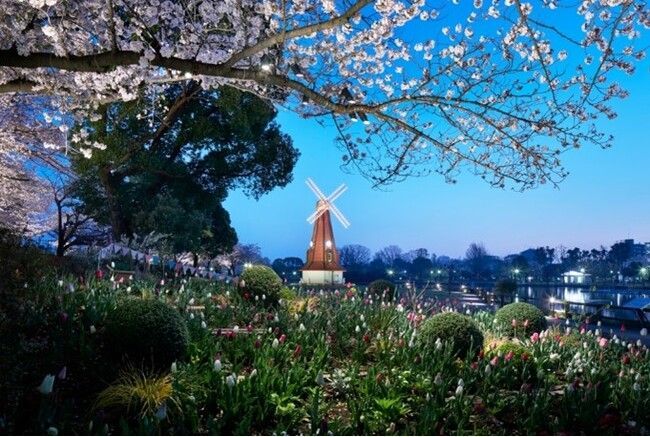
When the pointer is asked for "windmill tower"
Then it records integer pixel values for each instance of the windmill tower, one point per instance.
(322, 266)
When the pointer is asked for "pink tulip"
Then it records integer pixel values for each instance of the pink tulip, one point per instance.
(509, 356)
(494, 361)
(514, 323)
(283, 338)
(535, 337)
(526, 323)
(602, 342)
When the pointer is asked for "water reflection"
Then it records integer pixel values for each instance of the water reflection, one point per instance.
(578, 299)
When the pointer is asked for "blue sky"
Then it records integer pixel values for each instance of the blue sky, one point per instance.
(605, 198)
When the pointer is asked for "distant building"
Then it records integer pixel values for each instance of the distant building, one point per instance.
(574, 277)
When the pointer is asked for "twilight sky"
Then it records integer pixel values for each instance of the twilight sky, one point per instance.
(605, 198)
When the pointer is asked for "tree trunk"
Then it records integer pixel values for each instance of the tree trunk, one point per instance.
(60, 231)
(117, 223)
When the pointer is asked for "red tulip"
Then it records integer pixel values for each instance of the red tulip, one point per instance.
(283, 338)
(297, 351)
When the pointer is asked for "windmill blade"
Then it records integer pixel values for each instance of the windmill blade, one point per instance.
(312, 218)
(340, 216)
(337, 193)
(311, 184)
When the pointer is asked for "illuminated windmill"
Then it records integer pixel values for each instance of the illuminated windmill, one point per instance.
(322, 266)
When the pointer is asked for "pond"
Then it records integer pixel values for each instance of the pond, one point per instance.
(580, 299)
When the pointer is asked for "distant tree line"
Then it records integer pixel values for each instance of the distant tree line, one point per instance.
(624, 260)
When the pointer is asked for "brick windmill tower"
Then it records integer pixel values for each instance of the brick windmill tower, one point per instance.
(322, 266)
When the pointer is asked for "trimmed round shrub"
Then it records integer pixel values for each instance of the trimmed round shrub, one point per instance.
(382, 288)
(527, 319)
(514, 365)
(147, 332)
(261, 281)
(459, 330)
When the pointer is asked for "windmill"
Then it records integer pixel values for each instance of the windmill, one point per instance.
(322, 266)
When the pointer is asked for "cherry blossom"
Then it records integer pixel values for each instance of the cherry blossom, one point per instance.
(412, 87)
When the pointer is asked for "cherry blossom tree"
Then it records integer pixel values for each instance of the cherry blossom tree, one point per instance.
(499, 87)
(28, 143)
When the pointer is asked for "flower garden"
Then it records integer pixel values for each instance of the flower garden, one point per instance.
(188, 356)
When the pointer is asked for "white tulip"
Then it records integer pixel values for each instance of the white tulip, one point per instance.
(47, 385)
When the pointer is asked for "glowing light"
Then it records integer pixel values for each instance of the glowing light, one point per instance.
(328, 244)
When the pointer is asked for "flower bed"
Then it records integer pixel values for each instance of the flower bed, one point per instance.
(341, 363)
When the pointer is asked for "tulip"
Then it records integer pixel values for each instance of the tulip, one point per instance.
(276, 343)
(203, 324)
(602, 342)
(217, 365)
(438, 379)
(174, 367)
(253, 373)
(52, 431)
(514, 323)
(47, 385)
(235, 329)
(283, 338)
(438, 344)
(319, 379)
(302, 327)
(231, 380)
(535, 337)
(488, 369)
(63, 373)
(297, 351)
(494, 361)
(93, 329)
(459, 390)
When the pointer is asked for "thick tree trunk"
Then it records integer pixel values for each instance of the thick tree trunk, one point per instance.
(117, 223)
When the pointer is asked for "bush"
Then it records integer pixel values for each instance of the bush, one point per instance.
(528, 319)
(382, 288)
(515, 363)
(147, 332)
(457, 329)
(287, 294)
(263, 282)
